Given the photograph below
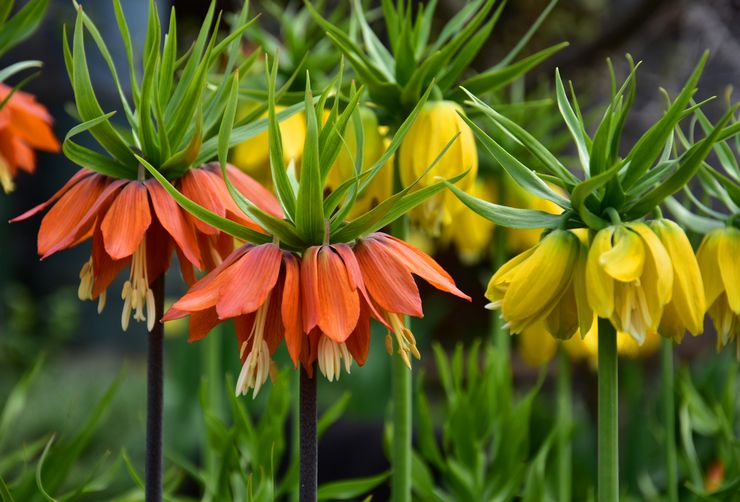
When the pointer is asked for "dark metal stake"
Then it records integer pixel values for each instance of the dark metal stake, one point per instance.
(155, 398)
(309, 457)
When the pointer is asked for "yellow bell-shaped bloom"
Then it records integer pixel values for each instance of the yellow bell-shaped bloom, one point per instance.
(630, 278)
(374, 146)
(719, 255)
(469, 232)
(541, 285)
(253, 155)
(437, 123)
(536, 346)
(687, 306)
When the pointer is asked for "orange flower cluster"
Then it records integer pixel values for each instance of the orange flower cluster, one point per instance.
(320, 303)
(135, 224)
(25, 126)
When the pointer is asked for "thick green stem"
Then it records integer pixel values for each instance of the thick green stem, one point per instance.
(401, 394)
(211, 360)
(608, 419)
(565, 418)
(669, 418)
(500, 336)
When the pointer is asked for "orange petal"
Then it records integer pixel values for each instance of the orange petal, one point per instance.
(251, 280)
(198, 186)
(61, 223)
(274, 330)
(201, 323)
(159, 247)
(256, 193)
(309, 289)
(79, 175)
(389, 283)
(126, 221)
(419, 263)
(171, 216)
(31, 123)
(105, 269)
(242, 329)
(291, 308)
(358, 343)
(339, 303)
(355, 278)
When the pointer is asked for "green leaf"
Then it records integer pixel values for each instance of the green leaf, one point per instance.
(651, 143)
(689, 220)
(573, 122)
(331, 415)
(497, 77)
(128, 46)
(21, 25)
(588, 186)
(90, 159)
(309, 216)
(351, 488)
(14, 68)
(528, 35)
(381, 57)
(510, 217)
(230, 227)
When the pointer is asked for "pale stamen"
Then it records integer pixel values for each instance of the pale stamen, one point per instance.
(404, 338)
(6, 179)
(87, 281)
(331, 354)
(137, 297)
(257, 366)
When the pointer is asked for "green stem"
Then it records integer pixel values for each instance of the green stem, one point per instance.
(500, 337)
(608, 419)
(565, 419)
(667, 389)
(401, 395)
(211, 360)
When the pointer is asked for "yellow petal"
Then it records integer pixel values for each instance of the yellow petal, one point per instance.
(708, 257)
(536, 346)
(624, 261)
(599, 284)
(585, 313)
(728, 256)
(500, 281)
(687, 302)
(657, 252)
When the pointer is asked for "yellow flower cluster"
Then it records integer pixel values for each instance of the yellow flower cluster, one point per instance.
(643, 277)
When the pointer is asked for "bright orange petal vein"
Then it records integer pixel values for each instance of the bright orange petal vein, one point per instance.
(339, 303)
(174, 221)
(126, 221)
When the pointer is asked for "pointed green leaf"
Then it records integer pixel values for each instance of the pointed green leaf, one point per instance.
(309, 216)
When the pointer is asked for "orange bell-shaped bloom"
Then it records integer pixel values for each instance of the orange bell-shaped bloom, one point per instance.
(136, 224)
(25, 126)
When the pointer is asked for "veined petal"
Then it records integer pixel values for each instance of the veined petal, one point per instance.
(256, 193)
(358, 342)
(126, 221)
(599, 284)
(339, 303)
(421, 264)
(199, 186)
(585, 313)
(389, 283)
(159, 248)
(625, 259)
(291, 308)
(355, 279)
(310, 289)
(76, 178)
(728, 254)
(201, 323)
(662, 261)
(59, 225)
(501, 279)
(251, 280)
(171, 216)
(105, 268)
(708, 258)
(688, 290)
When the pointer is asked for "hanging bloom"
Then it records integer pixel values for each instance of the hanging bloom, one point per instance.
(25, 125)
(541, 285)
(265, 307)
(718, 260)
(135, 224)
(344, 286)
(253, 155)
(630, 278)
(686, 309)
(437, 123)
(470, 232)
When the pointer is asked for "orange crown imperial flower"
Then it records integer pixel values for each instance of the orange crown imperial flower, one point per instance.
(320, 304)
(25, 125)
(136, 224)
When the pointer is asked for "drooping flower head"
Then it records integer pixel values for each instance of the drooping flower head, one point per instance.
(25, 126)
(113, 201)
(718, 258)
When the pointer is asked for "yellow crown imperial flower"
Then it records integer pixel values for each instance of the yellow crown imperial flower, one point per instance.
(437, 123)
(718, 260)
(253, 155)
(630, 278)
(541, 285)
(374, 146)
(687, 306)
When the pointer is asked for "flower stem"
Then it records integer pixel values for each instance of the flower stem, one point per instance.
(500, 336)
(608, 419)
(309, 457)
(295, 425)
(155, 397)
(667, 389)
(401, 392)
(565, 419)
